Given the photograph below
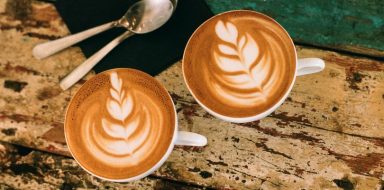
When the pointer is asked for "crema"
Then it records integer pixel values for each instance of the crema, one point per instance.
(120, 124)
(239, 63)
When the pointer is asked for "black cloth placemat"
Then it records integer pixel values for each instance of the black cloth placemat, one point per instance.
(152, 52)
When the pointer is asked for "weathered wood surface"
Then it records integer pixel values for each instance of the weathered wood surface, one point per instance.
(328, 134)
(350, 25)
(23, 168)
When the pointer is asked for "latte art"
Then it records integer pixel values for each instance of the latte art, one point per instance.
(120, 124)
(124, 129)
(243, 70)
(239, 63)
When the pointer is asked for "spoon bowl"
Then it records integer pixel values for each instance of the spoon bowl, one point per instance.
(148, 15)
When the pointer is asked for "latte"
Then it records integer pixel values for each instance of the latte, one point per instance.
(239, 63)
(120, 124)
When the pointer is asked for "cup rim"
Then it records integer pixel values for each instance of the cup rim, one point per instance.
(158, 163)
(246, 118)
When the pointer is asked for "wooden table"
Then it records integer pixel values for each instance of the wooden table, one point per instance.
(329, 134)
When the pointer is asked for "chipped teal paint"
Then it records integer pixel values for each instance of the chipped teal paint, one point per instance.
(351, 25)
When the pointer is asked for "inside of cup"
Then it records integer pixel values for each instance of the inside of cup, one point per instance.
(239, 64)
(121, 125)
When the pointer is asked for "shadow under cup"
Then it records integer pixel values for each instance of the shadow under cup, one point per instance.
(121, 125)
(240, 65)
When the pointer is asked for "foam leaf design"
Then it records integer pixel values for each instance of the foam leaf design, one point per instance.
(241, 42)
(229, 65)
(114, 130)
(119, 147)
(246, 52)
(127, 124)
(249, 51)
(115, 81)
(226, 32)
(114, 109)
(119, 106)
(114, 94)
(118, 130)
(227, 49)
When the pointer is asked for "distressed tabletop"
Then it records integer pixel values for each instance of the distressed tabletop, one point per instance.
(328, 134)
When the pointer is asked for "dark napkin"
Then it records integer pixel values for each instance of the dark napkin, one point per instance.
(152, 52)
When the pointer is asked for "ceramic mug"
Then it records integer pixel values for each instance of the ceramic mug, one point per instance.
(198, 42)
(94, 133)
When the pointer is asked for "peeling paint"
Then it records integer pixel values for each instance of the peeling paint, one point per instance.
(344, 183)
(48, 92)
(16, 86)
(205, 174)
(42, 36)
(20, 69)
(9, 131)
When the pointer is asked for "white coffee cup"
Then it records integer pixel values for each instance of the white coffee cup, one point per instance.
(182, 138)
(303, 67)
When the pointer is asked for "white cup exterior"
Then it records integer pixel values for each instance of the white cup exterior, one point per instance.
(315, 64)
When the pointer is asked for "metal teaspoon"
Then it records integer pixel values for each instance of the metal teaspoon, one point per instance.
(142, 17)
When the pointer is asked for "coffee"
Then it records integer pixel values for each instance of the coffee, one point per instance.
(239, 63)
(120, 124)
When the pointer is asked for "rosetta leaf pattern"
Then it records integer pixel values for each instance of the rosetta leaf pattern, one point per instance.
(125, 125)
(227, 50)
(119, 106)
(236, 57)
(228, 32)
(113, 130)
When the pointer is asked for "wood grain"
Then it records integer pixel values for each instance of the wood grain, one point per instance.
(23, 168)
(328, 134)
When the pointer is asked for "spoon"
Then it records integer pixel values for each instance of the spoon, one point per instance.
(142, 17)
(47, 49)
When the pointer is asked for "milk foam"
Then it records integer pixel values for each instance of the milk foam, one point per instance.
(239, 63)
(127, 127)
(245, 75)
(120, 123)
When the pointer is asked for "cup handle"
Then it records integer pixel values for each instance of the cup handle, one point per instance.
(307, 66)
(190, 139)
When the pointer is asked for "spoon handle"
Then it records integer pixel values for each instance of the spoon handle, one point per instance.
(88, 64)
(46, 49)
